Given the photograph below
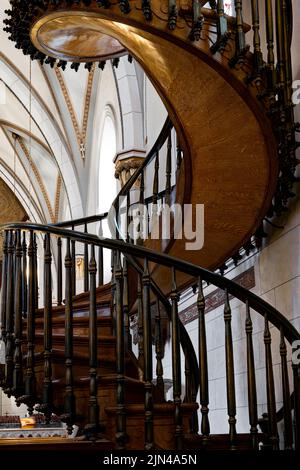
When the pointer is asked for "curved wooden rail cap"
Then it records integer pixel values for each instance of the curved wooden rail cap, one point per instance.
(232, 168)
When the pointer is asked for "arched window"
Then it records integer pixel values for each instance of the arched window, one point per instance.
(107, 181)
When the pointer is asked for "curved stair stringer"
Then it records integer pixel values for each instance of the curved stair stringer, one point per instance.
(232, 168)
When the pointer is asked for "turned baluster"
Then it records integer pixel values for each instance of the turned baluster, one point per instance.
(69, 407)
(270, 46)
(287, 56)
(4, 284)
(59, 271)
(120, 333)
(9, 340)
(126, 305)
(159, 352)
(169, 170)
(146, 7)
(73, 267)
(140, 325)
(155, 184)
(93, 426)
(296, 380)
(47, 385)
(203, 368)
(240, 35)
(176, 364)
(30, 383)
(287, 411)
(147, 358)
(270, 388)
(172, 20)
(230, 385)
(86, 263)
(257, 57)
(178, 155)
(36, 282)
(113, 289)
(251, 380)
(280, 66)
(222, 21)
(100, 259)
(17, 373)
(24, 276)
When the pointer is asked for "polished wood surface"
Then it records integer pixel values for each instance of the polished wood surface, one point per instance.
(233, 165)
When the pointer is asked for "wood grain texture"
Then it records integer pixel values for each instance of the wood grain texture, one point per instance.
(230, 151)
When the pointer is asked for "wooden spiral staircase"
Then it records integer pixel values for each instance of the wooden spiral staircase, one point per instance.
(74, 357)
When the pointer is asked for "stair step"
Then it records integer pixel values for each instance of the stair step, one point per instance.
(220, 442)
(53, 444)
(163, 422)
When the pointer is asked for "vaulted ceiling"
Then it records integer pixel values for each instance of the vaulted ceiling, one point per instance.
(49, 127)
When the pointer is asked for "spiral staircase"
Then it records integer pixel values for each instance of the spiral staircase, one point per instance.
(75, 358)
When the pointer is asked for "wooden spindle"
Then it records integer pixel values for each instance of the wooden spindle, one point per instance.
(47, 385)
(280, 66)
(120, 333)
(113, 289)
(128, 341)
(203, 368)
(287, 411)
(178, 154)
(147, 358)
(36, 281)
(287, 57)
(270, 46)
(24, 276)
(169, 170)
(230, 384)
(30, 383)
(100, 259)
(128, 217)
(296, 380)
(156, 180)
(172, 19)
(222, 21)
(140, 325)
(257, 56)
(86, 263)
(59, 271)
(271, 400)
(9, 340)
(69, 407)
(159, 352)
(251, 380)
(18, 373)
(176, 364)
(73, 267)
(4, 284)
(240, 34)
(93, 425)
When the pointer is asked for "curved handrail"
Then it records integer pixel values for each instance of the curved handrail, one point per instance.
(112, 215)
(82, 221)
(242, 294)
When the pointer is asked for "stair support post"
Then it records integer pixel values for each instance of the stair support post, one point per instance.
(230, 383)
(203, 368)
(287, 409)
(93, 428)
(176, 364)
(270, 388)
(69, 408)
(18, 373)
(251, 380)
(149, 444)
(4, 285)
(9, 340)
(47, 385)
(121, 436)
